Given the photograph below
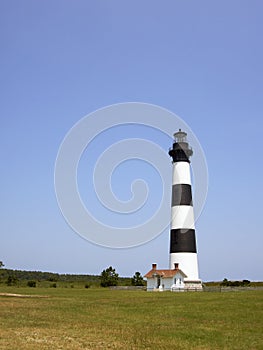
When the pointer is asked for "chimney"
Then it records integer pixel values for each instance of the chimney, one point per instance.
(176, 266)
(154, 266)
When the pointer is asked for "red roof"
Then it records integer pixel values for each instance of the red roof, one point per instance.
(163, 273)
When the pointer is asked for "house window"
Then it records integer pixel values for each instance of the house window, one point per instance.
(175, 281)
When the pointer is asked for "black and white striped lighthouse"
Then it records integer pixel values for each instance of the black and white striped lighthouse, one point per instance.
(183, 250)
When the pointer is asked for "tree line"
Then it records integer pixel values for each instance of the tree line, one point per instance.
(108, 277)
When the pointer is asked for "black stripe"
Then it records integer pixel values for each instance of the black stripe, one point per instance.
(183, 241)
(181, 152)
(181, 195)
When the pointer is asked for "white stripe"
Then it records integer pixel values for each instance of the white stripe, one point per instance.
(182, 217)
(181, 173)
(187, 263)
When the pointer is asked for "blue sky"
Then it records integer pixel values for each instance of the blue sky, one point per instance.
(61, 60)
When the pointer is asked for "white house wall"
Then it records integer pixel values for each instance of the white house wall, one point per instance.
(166, 283)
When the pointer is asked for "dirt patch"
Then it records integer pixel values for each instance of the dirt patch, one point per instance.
(22, 295)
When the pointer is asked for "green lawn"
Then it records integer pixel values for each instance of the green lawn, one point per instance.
(114, 319)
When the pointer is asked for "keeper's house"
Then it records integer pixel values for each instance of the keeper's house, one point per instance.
(163, 280)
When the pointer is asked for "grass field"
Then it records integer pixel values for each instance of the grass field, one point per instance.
(117, 319)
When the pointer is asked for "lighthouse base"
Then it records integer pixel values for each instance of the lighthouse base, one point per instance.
(187, 262)
(193, 285)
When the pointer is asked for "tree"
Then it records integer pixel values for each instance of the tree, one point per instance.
(1, 264)
(137, 279)
(225, 282)
(109, 277)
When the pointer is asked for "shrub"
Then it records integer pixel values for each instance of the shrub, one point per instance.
(11, 280)
(227, 283)
(52, 279)
(246, 282)
(53, 285)
(31, 284)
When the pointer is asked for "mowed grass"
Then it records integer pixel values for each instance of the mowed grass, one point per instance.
(120, 319)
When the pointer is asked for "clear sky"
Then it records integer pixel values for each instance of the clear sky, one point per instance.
(61, 60)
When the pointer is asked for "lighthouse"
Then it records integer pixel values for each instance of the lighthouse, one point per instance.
(183, 251)
(183, 272)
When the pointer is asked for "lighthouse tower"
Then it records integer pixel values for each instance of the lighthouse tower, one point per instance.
(183, 252)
